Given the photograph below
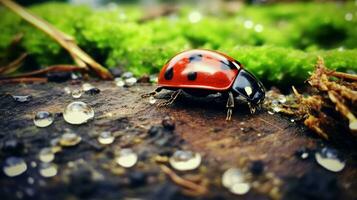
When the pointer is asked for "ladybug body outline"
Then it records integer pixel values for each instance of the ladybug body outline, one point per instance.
(201, 72)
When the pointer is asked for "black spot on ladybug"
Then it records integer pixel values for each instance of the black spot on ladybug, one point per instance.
(169, 73)
(192, 76)
(195, 58)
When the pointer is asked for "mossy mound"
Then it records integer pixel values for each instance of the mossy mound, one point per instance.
(279, 43)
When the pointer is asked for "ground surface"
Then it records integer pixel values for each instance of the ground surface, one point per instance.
(88, 170)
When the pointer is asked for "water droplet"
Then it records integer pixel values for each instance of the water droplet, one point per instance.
(43, 119)
(231, 176)
(270, 112)
(78, 113)
(46, 155)
(130, 81)
(76, 93)
(119, 82)
(127, 75)
(240, 188)
(329, 159)
(69, 139)
(195, 17)
(152, 100)
(14, 166)
(22, 99)
(106, 137)
(48, 170)
(127, 158)
(233, 179)
(185, 160)
(67, 90)
(87, 86)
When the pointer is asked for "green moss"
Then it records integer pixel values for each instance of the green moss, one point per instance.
(280, 45)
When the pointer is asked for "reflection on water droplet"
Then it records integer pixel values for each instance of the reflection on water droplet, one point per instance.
(106, 138)
(152, 100)
(233, 179)
(69, 139)
(240, 188)
(46, 155)
(127, 158)
(67, 90)
(329, 159)
(78, 113)
(119, 82)
(185, 160)
(270, 112)
(48, 170)
(43, 119)
(76, 93)
(14, 166)
(130, 81)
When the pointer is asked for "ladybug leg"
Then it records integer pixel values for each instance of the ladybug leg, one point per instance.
(153, 93)
(230, 106)
(173, 97)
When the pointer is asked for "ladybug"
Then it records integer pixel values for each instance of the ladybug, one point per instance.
(200, 72)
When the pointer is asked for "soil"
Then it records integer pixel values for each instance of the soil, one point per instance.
(88, 170)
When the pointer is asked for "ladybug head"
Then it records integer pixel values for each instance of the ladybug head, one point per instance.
(249, 87)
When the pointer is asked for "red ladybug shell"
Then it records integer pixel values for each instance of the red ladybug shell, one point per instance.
(199, 69)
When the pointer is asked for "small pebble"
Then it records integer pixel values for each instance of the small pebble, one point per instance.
(22, 99)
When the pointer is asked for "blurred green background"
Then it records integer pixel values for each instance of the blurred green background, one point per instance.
(279, 41)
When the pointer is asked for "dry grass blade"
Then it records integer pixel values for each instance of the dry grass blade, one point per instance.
(190, 188)
(80, 57)
(343, 109)
(54, 68)
(13, 66)
(24, 80)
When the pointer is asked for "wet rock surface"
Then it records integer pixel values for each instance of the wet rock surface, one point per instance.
(262, 144)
